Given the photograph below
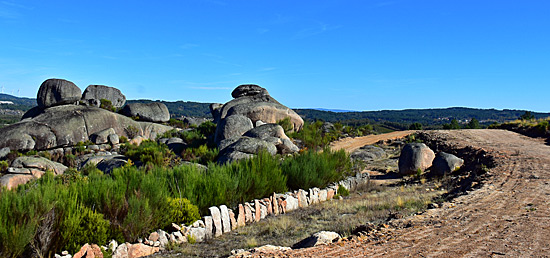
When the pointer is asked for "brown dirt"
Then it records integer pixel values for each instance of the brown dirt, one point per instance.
(351, 144)
(508, 216)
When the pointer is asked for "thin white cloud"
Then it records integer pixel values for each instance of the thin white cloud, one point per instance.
(266, 69)
(188, 46)
(315, 30)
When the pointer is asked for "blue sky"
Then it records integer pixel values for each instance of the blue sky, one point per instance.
(352, 55)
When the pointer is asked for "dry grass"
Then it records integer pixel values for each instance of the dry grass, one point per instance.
(372, 204)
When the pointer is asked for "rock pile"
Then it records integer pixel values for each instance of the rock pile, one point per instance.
(247, 124)
(59, 123)
(417, 157)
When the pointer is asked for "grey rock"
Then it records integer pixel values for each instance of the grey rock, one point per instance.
(113, 139)
(107, 166)
(54, 92)
(215, 109)
(102, 136)
(121, 251)
(257, 107)
(196, 121)
(232, 126)
(163, 238)
(151, 112)
(445, 163)
(319, 238)
(369, 153)
(94, 93)
(244, 148)
(33, 112)
(266, 131)
(327, 127)
(39, 163)
(248, 90)
(291, 203)
(11, 181)
(4, 152)
(415, 157)
(287, 146)
(62, 126)
(198, 233)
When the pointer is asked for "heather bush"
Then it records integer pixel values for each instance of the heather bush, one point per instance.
(316, 169)
(182, 210)
(149, 153)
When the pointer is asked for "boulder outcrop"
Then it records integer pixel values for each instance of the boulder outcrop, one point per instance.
(67, 125)
(151, 112)
(93, 95)
(54, 92)
(232, 126)
(415, 157)
(255, 103)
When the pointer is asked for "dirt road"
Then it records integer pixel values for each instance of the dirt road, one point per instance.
(509, 216)
(351, 144)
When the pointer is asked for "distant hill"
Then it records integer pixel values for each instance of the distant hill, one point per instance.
(397, 119)
(436, 116)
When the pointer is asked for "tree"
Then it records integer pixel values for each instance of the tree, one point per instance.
(474, 124)
(453, 125)
(527, 116)
(415, 126)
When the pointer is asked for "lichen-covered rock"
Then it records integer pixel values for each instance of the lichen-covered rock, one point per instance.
(11, 181)
(248, 90)
(54, 92)
(245, 147)
(93, 95)
(369, 153)
(151, 112)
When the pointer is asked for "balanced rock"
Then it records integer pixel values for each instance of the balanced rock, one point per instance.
(445, 163)
(93, 95)
(255, 103)
(152, 112)
(415, 157)
(248, 90)
(54, 92)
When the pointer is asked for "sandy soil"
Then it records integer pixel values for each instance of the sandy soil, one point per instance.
(508, 216)
(351, 144)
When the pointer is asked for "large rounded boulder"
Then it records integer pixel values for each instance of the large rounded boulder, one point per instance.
(55, 92)
(95, 93)
(232, 126)
(415, 157)
(445, 163)
(67, 125)
(152, 112)
(255, 103)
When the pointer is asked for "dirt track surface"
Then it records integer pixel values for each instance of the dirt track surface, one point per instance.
(509, 216)
(351, 144)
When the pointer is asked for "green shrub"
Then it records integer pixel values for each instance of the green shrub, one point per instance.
(150, 153)
(207, 128)
(183, 211)
(84, 226)
(3, 166)
(286, 124)
(415, 126)
(202, 154)
(342, 191)
(542, 126)
(123, 139)
(132, 131)
(107, 105)
(316, 169)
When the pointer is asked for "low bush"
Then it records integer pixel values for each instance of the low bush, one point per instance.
(316, 169)
(149, 153)
(182, 211)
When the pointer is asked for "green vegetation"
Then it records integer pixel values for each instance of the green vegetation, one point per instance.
(329, 166)
(313, 136)
(415, 126)
(150, 153)
(527, 116)
(182, 211)
(107, 105)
